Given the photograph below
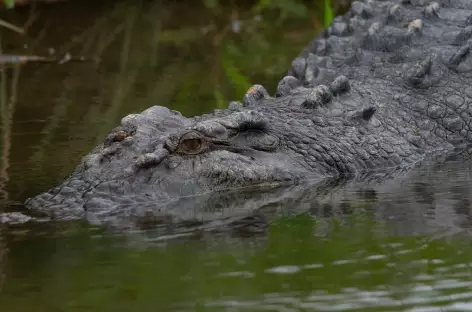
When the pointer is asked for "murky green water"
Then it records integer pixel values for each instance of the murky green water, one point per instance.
(382, 245)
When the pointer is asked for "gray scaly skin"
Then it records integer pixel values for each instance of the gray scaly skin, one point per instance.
(385, 86)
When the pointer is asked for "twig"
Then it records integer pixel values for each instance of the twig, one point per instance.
(12, 27)
(7, 128)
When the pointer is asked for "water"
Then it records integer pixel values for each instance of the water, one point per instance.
(371, 245)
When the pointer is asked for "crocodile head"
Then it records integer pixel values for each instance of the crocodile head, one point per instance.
(159, 155)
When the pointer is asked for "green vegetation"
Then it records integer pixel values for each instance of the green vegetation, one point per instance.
(328, 13)
(9, 3)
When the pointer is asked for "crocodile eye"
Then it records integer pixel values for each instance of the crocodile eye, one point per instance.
(191, 143)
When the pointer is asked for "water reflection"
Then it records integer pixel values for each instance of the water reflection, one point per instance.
(431, 199)
(354, 267)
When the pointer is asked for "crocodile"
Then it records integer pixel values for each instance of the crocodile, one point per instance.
(386, 86)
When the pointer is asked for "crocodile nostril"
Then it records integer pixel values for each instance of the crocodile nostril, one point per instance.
(120, 136)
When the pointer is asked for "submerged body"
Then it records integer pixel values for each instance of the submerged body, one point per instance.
(384, 87)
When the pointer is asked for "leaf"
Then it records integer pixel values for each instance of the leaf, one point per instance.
(328, 13)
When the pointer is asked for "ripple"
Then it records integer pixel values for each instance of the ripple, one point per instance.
(287, 269)
(442, 290)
